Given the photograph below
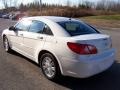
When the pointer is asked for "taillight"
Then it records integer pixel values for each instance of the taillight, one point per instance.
(83, 49)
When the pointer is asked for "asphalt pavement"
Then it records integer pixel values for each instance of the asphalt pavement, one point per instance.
(19, 73)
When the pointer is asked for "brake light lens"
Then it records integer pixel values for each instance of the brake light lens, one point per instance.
(83, 49)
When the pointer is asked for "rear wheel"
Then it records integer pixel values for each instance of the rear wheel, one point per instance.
(6, 44)
(50, 67)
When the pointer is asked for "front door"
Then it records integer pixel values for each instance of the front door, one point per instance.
(16, 36)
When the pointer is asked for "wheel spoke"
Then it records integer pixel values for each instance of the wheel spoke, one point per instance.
(53, 68)
(48, 66)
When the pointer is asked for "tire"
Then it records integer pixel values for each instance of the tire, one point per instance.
(6, 44)
(50, 67)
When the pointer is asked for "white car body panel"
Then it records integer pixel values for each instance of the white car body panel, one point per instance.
(71, 64)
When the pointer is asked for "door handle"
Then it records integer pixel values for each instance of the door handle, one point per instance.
(40, 37)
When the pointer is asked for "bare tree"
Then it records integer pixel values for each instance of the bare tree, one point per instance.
(110, 5)
(88, 4)
(40, 6)
(9, 3)
(68, 3)
(100, 5)
(5, 3)
(15, 3)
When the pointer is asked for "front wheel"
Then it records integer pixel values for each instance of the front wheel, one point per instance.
(49, 66)
(6, 44)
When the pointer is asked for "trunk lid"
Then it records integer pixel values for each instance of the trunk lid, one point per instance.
(100, 41)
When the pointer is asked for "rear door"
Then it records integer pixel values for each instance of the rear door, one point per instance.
(34, 39)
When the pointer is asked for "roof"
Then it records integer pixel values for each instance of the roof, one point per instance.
(53, 18)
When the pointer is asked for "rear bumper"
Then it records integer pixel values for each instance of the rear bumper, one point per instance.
(84, 68)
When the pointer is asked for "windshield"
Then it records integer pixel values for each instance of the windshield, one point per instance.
(75, 28)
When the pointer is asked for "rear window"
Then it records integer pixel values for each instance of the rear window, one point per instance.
(75, 28)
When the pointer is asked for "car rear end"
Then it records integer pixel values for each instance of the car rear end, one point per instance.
(87, 52)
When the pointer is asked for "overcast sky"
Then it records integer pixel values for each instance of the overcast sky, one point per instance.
(75, 2)
(61, 1)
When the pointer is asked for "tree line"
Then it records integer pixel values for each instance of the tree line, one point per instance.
(83, 8)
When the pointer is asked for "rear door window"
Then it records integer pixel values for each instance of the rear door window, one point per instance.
(47, 30)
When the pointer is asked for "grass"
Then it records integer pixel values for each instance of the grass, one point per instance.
(105, 17)
(104, 21)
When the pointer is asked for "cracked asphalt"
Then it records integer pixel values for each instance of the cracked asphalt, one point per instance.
(19, 73)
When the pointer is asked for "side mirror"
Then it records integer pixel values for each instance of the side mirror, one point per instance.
(12, 28)
(45, 26)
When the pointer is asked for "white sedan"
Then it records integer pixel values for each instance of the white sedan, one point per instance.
(61, 46)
